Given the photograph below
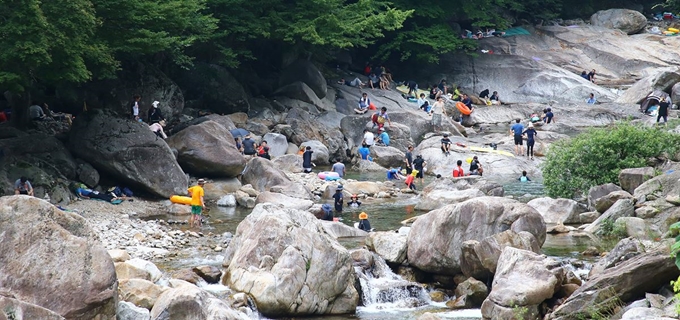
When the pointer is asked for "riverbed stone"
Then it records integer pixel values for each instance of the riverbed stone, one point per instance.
(289, 162)
(588, 217)
(364, 166)
(227, 201)
(631, 178)
(304, 272)
(142, 293)
(621, 208)
(388, 157)
(436, 238)
(391, 246)
(88, 175)
(216, 188)
(128, 311)
(626, 20)
(604, 203)
(470, 294)
(635, 227)
(306, 72)
(564, 211)
(186, 301)
(597, 192)
(523, 279)
(277, 143)
(23, 310)
(210, 274)
(119, 255)
(622, 251)
(489, 249)
(80, 284)
(651, 270)
(138, 269)
(369, 188)
(340, 230)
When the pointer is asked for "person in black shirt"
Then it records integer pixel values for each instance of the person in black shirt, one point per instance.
(409, 160)
(249, 146)
(446, 144)
(307, 160)
(419, 164)
(364, 224)
(155, 115)
(475, 167)
(484, 94)
(338, 199)
(663, 111)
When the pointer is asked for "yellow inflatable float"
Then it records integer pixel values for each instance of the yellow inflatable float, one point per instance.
(180, 200)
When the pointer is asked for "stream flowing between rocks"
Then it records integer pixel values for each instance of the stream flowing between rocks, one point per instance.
(385, 294)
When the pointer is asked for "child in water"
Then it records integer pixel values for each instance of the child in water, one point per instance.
(364, 224)
(524, 177)
(354, 202)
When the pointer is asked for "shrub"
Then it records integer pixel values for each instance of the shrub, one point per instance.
(597, 156)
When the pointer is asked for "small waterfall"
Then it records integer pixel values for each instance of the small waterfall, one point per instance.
(382, 289)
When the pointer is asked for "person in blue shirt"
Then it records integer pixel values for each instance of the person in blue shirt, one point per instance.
(516, 130)
(531, 133)
(548, 118)
(364, 152)
(383, 138)
(591, 99)
(524, 177)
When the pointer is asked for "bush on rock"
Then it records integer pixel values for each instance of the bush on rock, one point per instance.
(597, 156)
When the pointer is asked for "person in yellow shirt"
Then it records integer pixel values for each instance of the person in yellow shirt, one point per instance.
(197, 203)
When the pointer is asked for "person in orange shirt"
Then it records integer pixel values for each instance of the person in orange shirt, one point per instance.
(458, 171)
(197, 204)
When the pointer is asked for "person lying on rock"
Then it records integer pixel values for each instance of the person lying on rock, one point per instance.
(364, 224)
(23, 186)
(157, 128)
(87, 193)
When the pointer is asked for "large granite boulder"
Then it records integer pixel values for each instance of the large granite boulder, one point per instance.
(436, 238)
(303, 272)
(454, 190)
(129, 151)
(565, 211)
(627, 281)
(675, 93)
(621, 208)
(142, 293)
(213, 87)
(523, 279)
(391, 246)
(208, 149)
(262, 174)
(80, 284)
(284, 200)
(128, 311)
(289, 162)
(306, 72)
(597, 192)
(320, 153)
(186, 301)
(626, 20)
(277, 143)
(16, 309)
(388, 157)
(604, 203)
(299, 91)
(663, 80)
(629, 179)
(488, 251)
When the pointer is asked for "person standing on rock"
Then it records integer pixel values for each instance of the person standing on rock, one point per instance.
(197, 203)
(516, 130)
(409, 160)
(307, 160)
(530, 132)
(338, 200)
(437, 113)
(23, 186)
(249, 146)
(155, 115)
(134, 107)
(369, 138)
(419, 164)
(339, 168)
(663, 111)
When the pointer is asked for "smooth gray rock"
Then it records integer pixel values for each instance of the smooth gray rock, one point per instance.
(628, 21)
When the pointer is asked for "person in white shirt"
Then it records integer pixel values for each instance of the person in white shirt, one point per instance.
(135, 107)
(369, 138)
(438, 112)
(423, 103)
(157, 128)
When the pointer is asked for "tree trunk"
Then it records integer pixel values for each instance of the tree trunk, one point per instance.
(19, 103)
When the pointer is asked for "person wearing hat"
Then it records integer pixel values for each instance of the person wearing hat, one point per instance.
(383, 138)
(197, 203)
(338, 199)
(364, 224)
(155, 114)
(418, 165)
(354, 202)
(249, 146)
(475, 167)
(327, 212)
(446, 144)
(530, 132)
(410, 180)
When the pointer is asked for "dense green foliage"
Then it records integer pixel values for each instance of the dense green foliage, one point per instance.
(597, 156)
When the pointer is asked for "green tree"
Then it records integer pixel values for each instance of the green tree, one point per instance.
(597, 156)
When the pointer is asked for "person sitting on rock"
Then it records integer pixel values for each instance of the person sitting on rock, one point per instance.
(23, 186)
(157, 128)
(446, 144)
(442, 86)
(249, 146)
(263, 150)
(354, 202)
(476, 167)
(591, 99)
(364, 152)
(423, 104)
(36, 112)
(384, 72)
(524, 177)
(549, 116)
(307, 163)
(494, 98)
(435, 92)
(379, 118)
(374, 81)
(155, 114)
(383, 138)
(364, 224)
(458, 170)
(238, 144)
(591, 76)
(364, 103)
(384, 82)
(456, 94)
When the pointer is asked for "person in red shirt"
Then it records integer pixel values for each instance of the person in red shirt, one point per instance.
(458, 171)
(410, 180)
